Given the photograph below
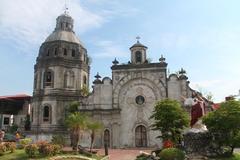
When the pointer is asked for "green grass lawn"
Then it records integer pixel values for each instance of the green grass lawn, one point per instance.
(20, 154)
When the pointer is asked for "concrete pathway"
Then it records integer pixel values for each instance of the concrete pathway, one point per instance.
(123, 154)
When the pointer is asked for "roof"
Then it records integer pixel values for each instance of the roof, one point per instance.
(61, 35)
(16, 97)
(138, 44)
(215, 106)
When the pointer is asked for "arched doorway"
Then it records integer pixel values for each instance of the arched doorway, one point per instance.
(106, 137)
(141, 136)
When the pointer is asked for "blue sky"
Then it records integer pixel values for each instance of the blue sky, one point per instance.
(202, 36)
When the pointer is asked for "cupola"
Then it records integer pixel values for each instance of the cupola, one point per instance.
(138, 53)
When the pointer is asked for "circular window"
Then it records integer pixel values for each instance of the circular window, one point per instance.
(140, 100)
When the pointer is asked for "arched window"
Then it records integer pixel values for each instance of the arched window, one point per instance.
(141, 136)
(48, 53)
(46, 114)
(73, 53)
(138, 57)
(35, 82)
(84, 57)
(48, 78)
(85, 80)
(106, 137)
(65, 52)
(55, 51)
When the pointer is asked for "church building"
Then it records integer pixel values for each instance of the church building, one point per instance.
(123, 102)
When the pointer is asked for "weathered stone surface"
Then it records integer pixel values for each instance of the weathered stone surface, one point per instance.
(197, 143)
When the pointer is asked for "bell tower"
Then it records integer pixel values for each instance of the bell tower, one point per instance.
(138, 53)
(61, 71)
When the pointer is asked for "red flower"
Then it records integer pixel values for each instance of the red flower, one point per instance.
(167, 144)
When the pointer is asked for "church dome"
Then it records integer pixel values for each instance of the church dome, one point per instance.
(64, 30)
(63, 36)
(138, 44)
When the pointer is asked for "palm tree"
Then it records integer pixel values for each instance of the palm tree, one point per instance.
(94, 127)
(77, 123)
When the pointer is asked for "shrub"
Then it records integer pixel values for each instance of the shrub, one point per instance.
(2, 149)
(31, 150)
(172, 154)
(41, 145)
(58, 139)
(24, 142)
(50, 149)
(56, 149)
(10, 146)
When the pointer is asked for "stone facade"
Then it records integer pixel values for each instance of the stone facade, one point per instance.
(123, 103)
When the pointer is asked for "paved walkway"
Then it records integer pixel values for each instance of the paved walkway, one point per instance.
(123, 154)
(119, 154)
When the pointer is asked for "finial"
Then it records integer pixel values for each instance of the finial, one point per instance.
(138, 39)
(182, 71)
(65, 7)
(115, 62)
(97, 80)
(97, 76)
(162, 59)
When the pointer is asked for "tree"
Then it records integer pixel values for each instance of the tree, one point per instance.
(76, 122)
(94, 127)
(73, 107)
(84, 91)
(170, 118)
(224, 125)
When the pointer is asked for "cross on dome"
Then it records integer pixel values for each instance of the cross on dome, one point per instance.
(138, 38)
(65, 7)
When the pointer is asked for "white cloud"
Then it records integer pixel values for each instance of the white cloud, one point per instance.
(29, 22)
(109, 49)
(220, 88)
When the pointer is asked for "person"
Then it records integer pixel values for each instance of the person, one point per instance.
(17, 136)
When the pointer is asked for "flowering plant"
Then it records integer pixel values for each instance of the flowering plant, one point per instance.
(168, 144)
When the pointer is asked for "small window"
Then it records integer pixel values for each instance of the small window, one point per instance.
(73, 53)
(55, 51)
(46, 113)
(6, 121)
(48, 78)
(35, 82)
(48, 53)
(84, 58)
(140, 100)
(85, 80)
(65, 52)
(138, 57)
